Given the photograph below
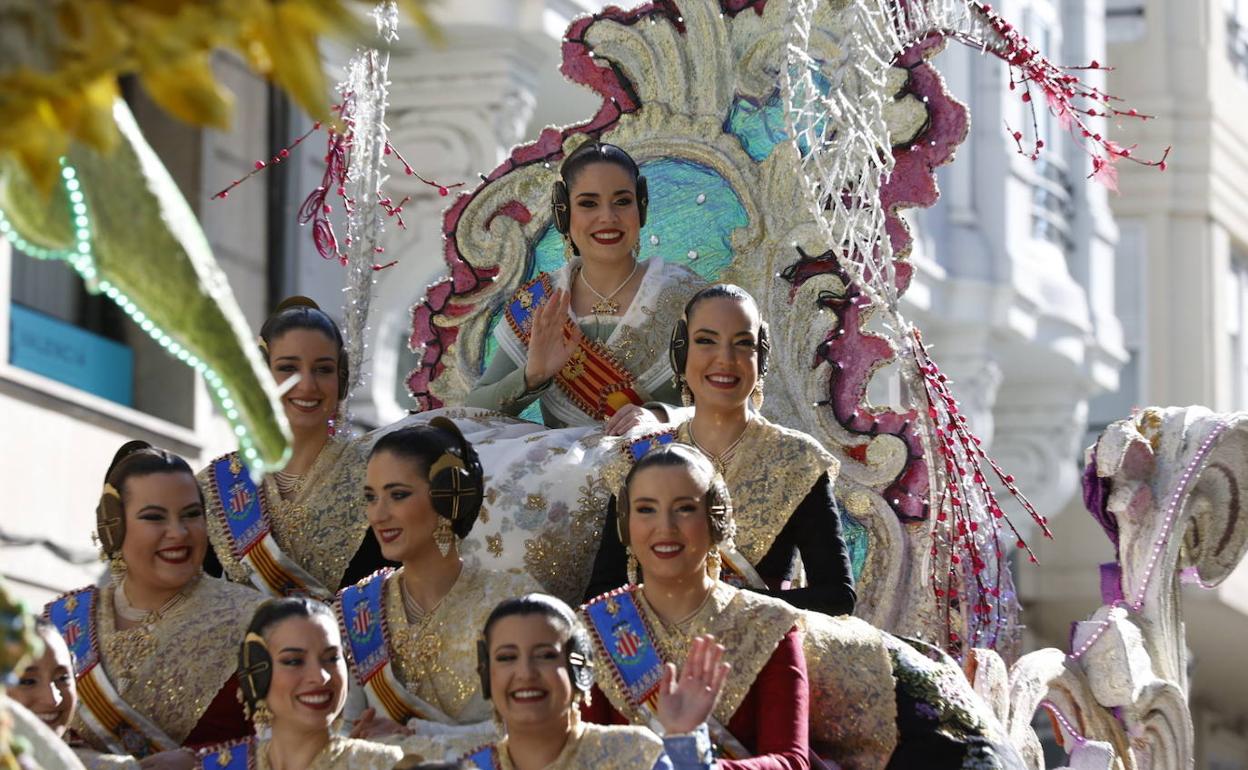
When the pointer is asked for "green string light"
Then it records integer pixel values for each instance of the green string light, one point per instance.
(82, 259)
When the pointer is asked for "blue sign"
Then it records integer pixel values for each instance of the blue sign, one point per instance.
(66, 353)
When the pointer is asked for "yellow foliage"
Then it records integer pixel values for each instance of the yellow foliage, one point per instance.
(60, 61)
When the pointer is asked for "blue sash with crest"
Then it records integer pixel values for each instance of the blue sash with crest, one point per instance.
(620, 631)
(244, 510)
(361, 613)
(484, 758)
(242, 501)
(239, 755)
(113, 721)
(72, 615)
(640, 447)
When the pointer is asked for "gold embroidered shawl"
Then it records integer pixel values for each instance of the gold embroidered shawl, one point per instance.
(342, 754)
(749, 625)
(602, 747)
(437, 660)
(171, 670)
(771, 472)
(320, 528)
(853, 704)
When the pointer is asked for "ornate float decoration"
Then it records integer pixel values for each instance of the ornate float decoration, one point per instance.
(707, 96)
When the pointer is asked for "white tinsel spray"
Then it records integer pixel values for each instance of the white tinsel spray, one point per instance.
(366, 89)
(835, 113)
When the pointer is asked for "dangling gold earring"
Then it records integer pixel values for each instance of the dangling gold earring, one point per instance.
(686, 395)
(568, 253)
(757, 396)
(713, 563)
(443, 536)
(261, 715)
(117, 567)
(633, 568)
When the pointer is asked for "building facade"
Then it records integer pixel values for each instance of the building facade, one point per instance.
(1180, 295)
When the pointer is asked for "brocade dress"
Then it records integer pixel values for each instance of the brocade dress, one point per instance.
(422, 671)
(312, 541)
(164, 684)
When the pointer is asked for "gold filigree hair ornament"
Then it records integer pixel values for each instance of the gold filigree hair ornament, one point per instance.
(109, 521)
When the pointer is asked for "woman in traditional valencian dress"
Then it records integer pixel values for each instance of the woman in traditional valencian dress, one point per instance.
(780, 479)
(536, 663)
(154, 648)
(46, 687)
(587, 340)
(411, 633)
(675, 518)
(294, 682)
(301, 530)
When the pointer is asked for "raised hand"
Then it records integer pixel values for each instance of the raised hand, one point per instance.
(550, 344)
(686, 702)
(371, 727)
(629, 417)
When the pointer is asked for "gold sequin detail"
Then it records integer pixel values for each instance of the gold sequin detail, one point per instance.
(561, 558)
(772, 472)
(320, 528)
(601, 747)
(342, 754)
(858, 503)
(853, 706)
(436, 660)
(169, 671)
(494, 544)
(535, 503)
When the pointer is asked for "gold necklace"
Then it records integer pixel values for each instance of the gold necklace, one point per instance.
(724, 458)
(420, 647)
(129, 648)
(606, 304)
(129, 613)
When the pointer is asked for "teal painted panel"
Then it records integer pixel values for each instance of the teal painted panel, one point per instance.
(66, 353)
(857, 542)
(759, 127)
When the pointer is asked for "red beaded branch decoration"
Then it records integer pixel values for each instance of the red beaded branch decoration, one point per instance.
(1070, 100)
(965, 484)
(316, 208)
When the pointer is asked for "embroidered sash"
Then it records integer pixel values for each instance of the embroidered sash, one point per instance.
(238, 755)
(591, 378)
(244, 511)
(625, 645)
(640, 447)
(484, 758)
(362, 619)
(122, 729)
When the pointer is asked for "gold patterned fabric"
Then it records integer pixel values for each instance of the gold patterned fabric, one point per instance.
(342, 754)
(770, 473)
(169, 671)
(749, 625)
(436, 660)
(600, 747)
(853, 705)
(320, 528)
